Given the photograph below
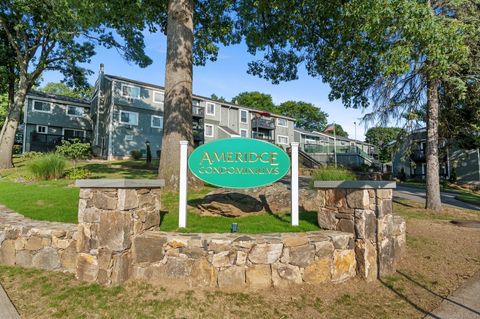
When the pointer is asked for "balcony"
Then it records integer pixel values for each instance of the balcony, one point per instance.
(265, 123)
(49, 142)
(418, 156)
(198, 111)
(263, 137)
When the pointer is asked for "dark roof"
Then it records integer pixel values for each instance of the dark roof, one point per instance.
(330, 135)
(58, 97)
(115, 77)
(228, 130)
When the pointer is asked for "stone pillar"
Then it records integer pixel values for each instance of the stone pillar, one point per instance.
(364, 208)
(111, 213)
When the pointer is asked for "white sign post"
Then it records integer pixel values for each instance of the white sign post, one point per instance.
(182, 204)
(294, 183)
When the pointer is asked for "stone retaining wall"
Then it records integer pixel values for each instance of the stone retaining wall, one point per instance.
(30, 243)
(118, 239)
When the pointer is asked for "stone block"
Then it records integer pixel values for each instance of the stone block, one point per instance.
(241, 258)
(297, 239)
(203, 274)
(104, 200)
(68, 257)
(148, 248)
(302, 255)
(385, 226)
(120, 269)
(89, 215)
(344, 265)
(265, 253)
(85, 193)
(324, 249)
(20, 243)
(259, 276)
(365, 224)
(335, 198)
(319, 271)
(146, 201)
(34, 243)
(312, 201)
(104, 258)
(366, 255)
(243, 242)
(345, 225)
(384, 207)
(340, 240)
(127, 199)
(218, 245)
(46, 258)
(86, 268)
(23, 258)
(178, 267)
(358, 198)
(326, 218)
(114, 230)
(223, 259)
(386, 257)
(232, 277)
(399, 226)
(7, 252)
(400, 247)
(284, 275)
(384, 193)
(193, 252)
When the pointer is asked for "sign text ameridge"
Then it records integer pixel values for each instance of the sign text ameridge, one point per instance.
(239, 163)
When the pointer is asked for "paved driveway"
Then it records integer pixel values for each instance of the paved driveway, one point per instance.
(418, 195)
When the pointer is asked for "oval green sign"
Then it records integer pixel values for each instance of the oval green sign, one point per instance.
(239, 163)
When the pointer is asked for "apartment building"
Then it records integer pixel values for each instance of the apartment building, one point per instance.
(124, 114)
(410, 158)
(49, 118)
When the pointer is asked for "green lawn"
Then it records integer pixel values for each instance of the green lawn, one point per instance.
(469, 198)
(58, 201)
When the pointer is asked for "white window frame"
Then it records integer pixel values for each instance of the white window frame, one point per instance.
(46, 129)
(213, 132)
(161, 93)
(246, 117)
(72, 115)
(310, 141)
(41, 111)
(130, 86)
(285, 136)
(156, 116)
(286, 122)
(243, 130)
(71, 129)
(206, 108)
(127, 123)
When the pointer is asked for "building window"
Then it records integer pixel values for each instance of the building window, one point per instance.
(42, 129)
(210, 108)
(157, 121)
(209, 130)
(282, 122)
(130, 118)
(69, 134)
(243, 133)
(130, 91)
(75, 110)
(158, 97)
(282, 139)
(243, 116)
(308, 141)
(40, 106)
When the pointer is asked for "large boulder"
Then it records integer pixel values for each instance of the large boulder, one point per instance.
(274, 198)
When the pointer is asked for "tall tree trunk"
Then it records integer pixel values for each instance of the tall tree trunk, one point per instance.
(11, 97)
(178, 90)
(433, 200)
(11, 124)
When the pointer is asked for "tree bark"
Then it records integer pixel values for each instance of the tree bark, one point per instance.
(433, 200)
(11, 124)
(178, 90)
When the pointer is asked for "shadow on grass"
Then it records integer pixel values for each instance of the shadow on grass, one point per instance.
(420, 285)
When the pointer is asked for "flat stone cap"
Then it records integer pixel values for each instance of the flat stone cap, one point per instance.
(120, 183)
(355, 184)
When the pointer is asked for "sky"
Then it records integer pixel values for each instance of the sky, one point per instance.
(226, 77)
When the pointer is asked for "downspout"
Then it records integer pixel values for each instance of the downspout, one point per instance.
(99, 96)
(25, 127)
(110, 124)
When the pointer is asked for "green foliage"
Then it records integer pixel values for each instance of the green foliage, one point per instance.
(218, 98)
(63, 89)
(331, 173)
(29, 155)
(3, 108)
(255, 100)
(339, 131)
(78, 173)
(75, 150)
(136, 155)
(381, 137)
(47, 167)
(307, 115)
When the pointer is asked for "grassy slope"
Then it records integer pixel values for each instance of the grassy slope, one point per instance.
(469, 198)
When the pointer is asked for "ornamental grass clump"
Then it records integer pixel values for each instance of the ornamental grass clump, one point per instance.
(48, 166)
(333, 174)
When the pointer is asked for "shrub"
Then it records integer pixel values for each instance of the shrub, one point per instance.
(48, 166)
(333, 174)
(136, 154)
(30, 155)
(78, 173)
